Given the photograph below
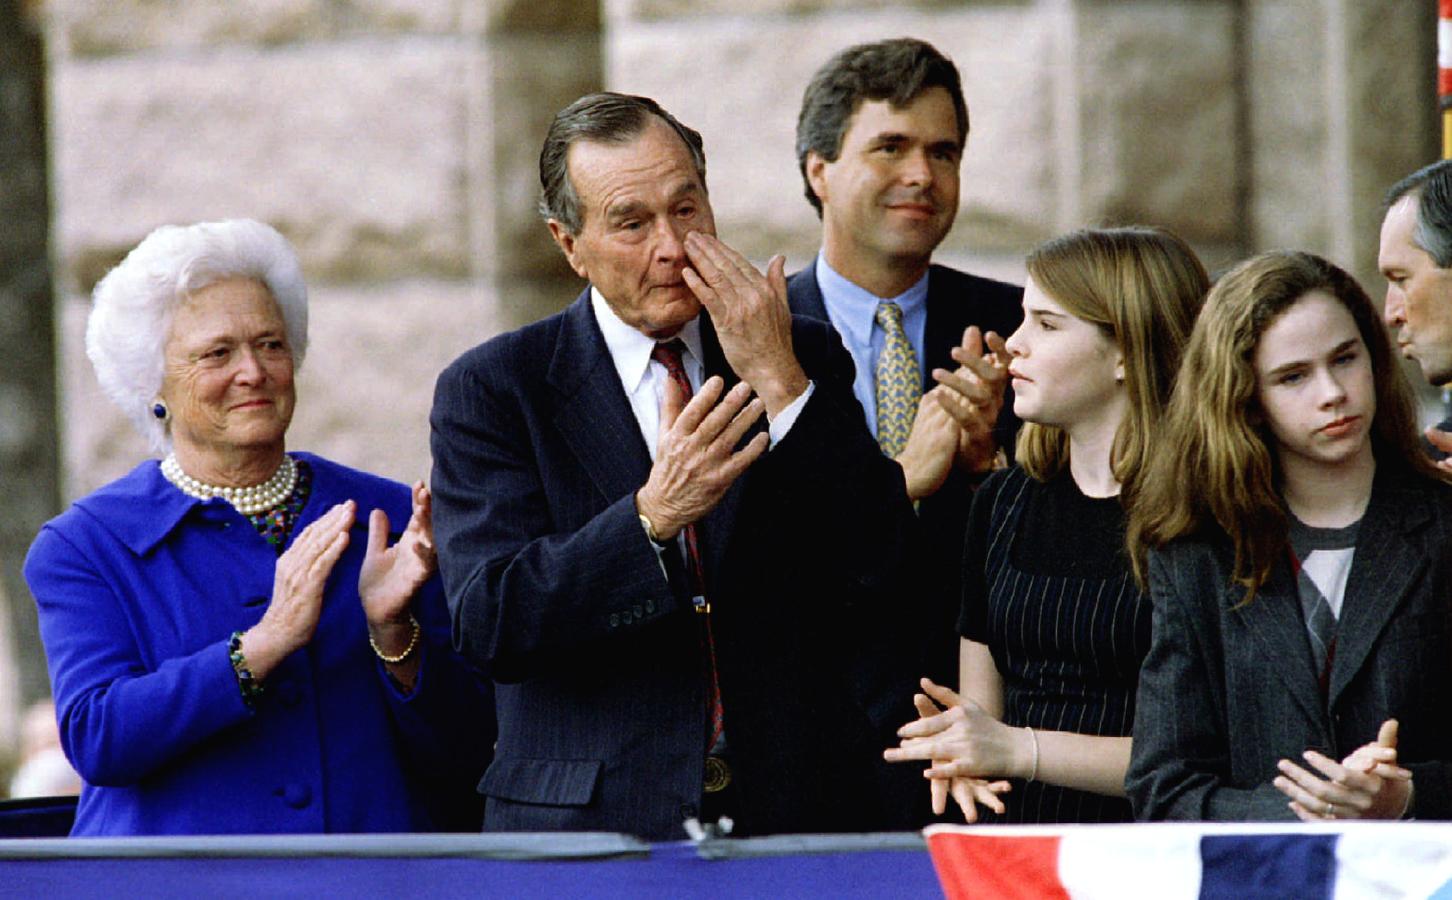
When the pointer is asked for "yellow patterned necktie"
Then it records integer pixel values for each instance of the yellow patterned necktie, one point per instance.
(899, 382)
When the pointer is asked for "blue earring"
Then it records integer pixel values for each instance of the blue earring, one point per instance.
(160, 411)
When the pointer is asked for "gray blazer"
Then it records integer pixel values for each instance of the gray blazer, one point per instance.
(1228, 690)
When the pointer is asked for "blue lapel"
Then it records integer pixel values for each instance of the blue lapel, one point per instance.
(594, 415)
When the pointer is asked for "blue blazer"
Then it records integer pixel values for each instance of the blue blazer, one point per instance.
(138, 588)
(1228, 688)
(599, 657)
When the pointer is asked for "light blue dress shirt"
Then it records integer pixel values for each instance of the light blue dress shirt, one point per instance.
(852, 310)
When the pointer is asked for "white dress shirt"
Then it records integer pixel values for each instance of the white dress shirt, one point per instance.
(644, 379)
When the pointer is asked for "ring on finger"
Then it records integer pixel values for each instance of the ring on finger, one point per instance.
(1330, 812)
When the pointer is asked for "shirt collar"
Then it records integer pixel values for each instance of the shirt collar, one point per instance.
(630, 349)
(854, 308)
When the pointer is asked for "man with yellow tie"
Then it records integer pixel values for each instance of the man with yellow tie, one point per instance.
(880, 138)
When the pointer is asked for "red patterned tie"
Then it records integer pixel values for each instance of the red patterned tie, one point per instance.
(669, 355)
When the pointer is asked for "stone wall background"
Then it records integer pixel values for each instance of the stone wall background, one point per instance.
(394, 142)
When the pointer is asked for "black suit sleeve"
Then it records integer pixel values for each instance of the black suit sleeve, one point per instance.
(846, 503)
(529, 576)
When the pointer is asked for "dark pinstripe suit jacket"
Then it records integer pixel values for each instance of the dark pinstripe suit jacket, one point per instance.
(1229, 689)
(554, 587)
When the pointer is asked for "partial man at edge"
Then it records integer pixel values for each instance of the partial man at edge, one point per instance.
(1415, 257)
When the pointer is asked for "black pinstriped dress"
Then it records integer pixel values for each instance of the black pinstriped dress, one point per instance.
(1047, 586)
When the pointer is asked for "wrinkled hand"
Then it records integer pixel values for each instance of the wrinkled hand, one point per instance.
(974, 395)
(1368, 784)
(390, 576)
(750, 314)
(1442, 440)
(695, 459)
(928, 738)
(297, 591)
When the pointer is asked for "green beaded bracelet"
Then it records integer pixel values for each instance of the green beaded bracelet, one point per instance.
(251, 688)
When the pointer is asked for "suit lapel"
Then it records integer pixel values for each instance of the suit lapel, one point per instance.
(804, 295)
(715, 529)
(944, 328)
(1384, 569)
(1273, 621)
(594, 415)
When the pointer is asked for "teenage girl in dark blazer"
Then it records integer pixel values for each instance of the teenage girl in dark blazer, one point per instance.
(1298, 547)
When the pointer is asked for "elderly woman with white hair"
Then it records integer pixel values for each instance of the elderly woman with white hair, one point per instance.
(231, 648)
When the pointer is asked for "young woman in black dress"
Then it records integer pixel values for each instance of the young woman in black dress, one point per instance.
(1053, 626)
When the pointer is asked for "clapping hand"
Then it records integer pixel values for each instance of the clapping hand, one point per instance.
(390, 576)
(696, 459)
(974, 395)
(1367, 784)
(297, 591)
(1442, 440)
(935, 736)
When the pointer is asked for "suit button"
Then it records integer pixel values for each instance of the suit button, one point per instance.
(297, 795)
(637, 612)
(688, 811)
(650, 606)
(625, 618)
(614, 620)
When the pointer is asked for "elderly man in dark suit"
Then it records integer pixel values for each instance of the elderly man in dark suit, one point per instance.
(880, 138)
(654, 576)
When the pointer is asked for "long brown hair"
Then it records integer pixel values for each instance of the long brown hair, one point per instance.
(1142, 287)
(1215, 471)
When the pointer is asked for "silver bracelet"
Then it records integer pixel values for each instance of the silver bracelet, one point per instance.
(1034, 739)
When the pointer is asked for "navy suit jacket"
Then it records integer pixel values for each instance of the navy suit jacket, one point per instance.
(1228, 688)
(920, 636)
(955, 301)
(554, 587)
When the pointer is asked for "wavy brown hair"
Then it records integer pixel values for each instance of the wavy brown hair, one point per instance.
(1142, 287)
(1215, 474)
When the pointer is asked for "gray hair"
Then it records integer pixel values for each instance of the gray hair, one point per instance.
(606, 118)
(896, 70)
(1432, 186)
(132, 307)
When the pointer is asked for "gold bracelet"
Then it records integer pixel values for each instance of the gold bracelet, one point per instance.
(407, 651)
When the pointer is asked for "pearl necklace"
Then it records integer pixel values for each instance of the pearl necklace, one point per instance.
(246, 500)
